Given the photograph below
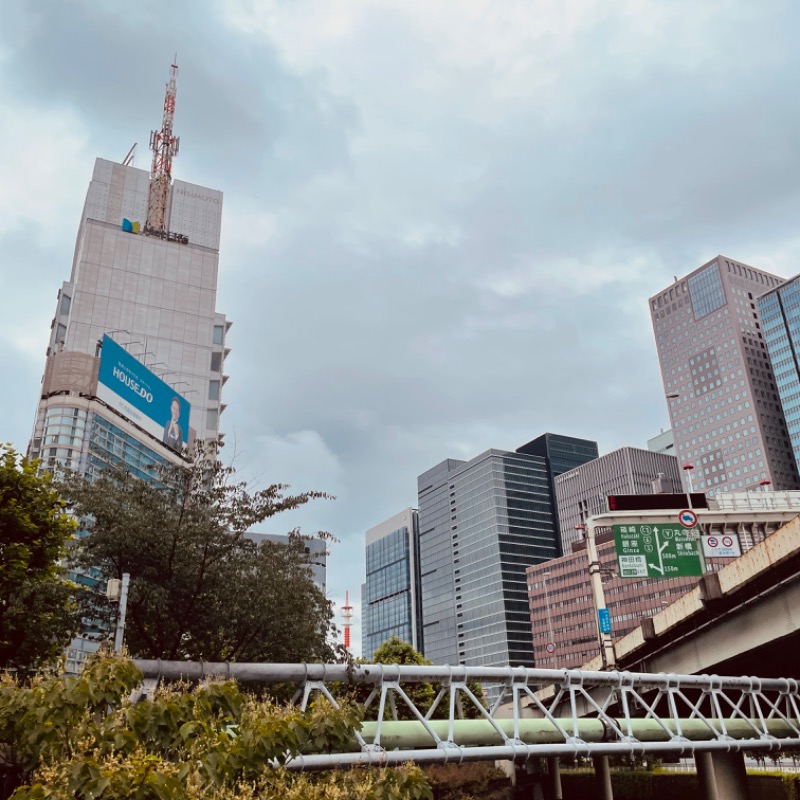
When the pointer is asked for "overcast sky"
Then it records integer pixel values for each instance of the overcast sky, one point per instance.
(442, 219)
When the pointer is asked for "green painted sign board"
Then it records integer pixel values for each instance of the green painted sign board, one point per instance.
(657, 551)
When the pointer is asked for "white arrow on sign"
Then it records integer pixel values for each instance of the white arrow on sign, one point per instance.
(661, 548)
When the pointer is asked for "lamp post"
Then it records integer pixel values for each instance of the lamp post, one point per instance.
(687, 468)
(545, 576)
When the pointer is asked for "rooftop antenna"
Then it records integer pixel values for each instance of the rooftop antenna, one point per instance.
(128, 160)
(165, 147)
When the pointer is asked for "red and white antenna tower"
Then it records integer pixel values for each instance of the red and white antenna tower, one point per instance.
(347, 616)
(164, 146)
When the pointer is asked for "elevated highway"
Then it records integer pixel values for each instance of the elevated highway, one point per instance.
(743, 619)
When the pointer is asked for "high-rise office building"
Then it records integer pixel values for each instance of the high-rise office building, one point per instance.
(723, 400)
(390, 597)
(134, 367)
(316, 550)
(481, 523)
(779, 310)
(583, 492)
(561, 454)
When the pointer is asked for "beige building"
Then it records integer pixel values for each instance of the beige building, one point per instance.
(154, 297)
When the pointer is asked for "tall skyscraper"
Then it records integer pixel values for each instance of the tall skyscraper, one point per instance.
(583, 492)
(390, 598)
(481, 523)
(561, 454)
(723, 400)
(779, 310)
(134, 367)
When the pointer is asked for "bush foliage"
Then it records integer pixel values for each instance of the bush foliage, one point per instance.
(68, 737)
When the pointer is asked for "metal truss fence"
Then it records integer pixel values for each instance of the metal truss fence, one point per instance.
(585, 714)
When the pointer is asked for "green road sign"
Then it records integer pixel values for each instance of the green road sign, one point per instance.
(657, 551)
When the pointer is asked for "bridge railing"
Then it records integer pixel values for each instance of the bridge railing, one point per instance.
(636, 713)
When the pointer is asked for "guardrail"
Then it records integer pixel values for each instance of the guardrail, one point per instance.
(638, 713)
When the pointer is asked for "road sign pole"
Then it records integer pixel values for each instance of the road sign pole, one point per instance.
(595, 576)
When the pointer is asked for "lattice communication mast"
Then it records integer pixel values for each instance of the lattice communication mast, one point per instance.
(347, 617)
(165, 147)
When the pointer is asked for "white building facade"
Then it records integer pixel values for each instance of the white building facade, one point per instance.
(155, 297)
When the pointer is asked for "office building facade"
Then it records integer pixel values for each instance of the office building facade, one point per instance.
(390, 599)
(561, 454)
(723, 400)
(779, 310)
(155, 299)
(482, 522)
(316, 550)
(583, 492)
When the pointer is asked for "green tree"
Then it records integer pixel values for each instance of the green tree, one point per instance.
(397, 651)
(80, 737)
(38, 608)
(199, 588)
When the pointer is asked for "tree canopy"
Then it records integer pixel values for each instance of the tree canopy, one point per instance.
(38, 609)
(397, 651)
(68, 737)
(199, 589)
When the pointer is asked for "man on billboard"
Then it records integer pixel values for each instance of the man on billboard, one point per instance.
(173, 435)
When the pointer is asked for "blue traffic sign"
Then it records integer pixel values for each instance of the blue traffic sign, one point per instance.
(604, 619)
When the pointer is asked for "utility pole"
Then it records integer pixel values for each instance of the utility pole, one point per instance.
(117, 592)
(595, 576)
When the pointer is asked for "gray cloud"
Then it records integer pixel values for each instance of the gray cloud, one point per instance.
(433, 245)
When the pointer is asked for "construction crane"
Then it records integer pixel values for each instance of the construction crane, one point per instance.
(165, 147)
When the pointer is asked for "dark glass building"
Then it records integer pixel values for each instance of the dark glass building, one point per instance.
(390, 595)
(779, 311)
(561, 454)
(482, 523)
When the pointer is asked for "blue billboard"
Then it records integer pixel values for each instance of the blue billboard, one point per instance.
(125, 384)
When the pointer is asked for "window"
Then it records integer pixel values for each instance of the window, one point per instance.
(216, 362)
(219, 333)
(213, 390)
(212, 418)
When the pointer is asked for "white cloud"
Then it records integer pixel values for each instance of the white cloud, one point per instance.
(557, 274)
(44, 155)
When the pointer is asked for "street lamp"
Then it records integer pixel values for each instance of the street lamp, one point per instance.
(545, 576)
(687, 468)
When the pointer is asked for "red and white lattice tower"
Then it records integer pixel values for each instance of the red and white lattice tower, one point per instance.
(347, 616)
(165, 147)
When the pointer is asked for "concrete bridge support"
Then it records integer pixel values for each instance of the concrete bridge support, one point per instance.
(538, 779)
(602, 772)
(722, 776)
